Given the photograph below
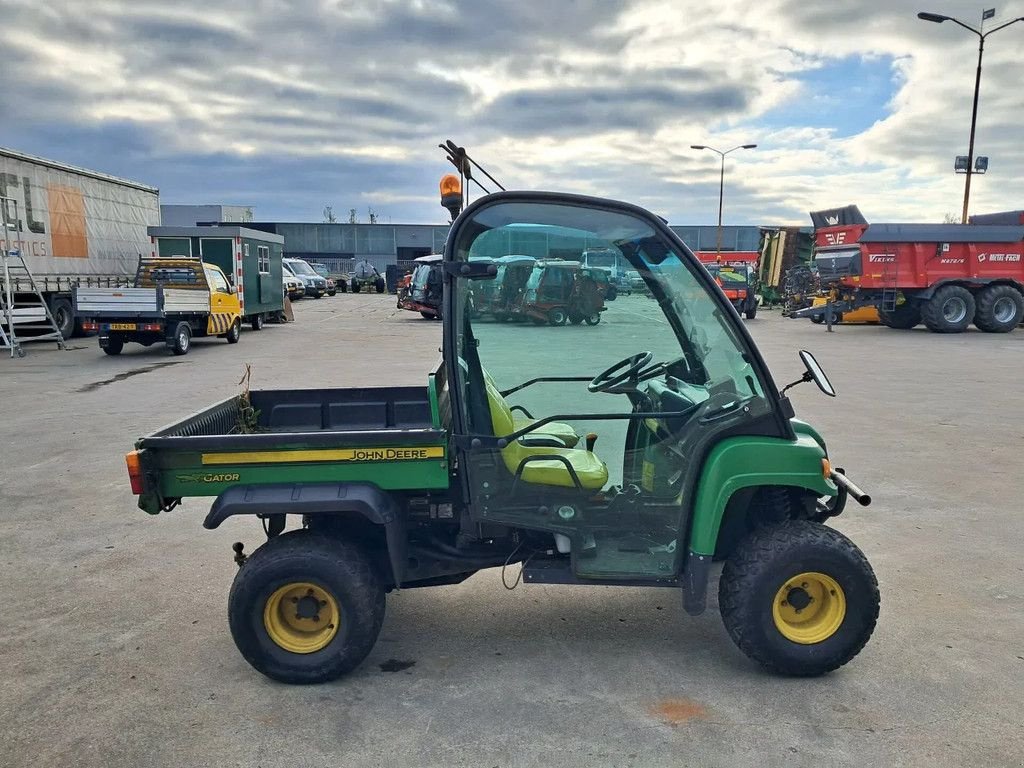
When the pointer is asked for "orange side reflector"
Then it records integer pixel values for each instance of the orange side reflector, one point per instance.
(826, 468)
(134, 471)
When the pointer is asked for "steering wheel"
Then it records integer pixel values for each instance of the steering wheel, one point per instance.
(623, 371)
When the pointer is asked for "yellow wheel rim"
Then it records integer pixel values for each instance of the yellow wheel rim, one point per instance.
(809, 608)
(301, 617)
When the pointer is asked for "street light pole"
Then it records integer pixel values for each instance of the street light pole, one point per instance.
(721, 188)
(938, 18)
(974, 125)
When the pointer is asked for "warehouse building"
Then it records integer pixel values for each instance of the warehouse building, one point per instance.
(339, 245)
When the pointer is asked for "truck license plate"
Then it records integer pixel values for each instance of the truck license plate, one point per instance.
(122, 326)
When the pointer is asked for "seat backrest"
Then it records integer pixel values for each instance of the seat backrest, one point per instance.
(501, 420)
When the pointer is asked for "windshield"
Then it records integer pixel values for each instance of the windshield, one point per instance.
(601, 259)
(727, 275)
(300, 267)
(321, 270)
(677, 318)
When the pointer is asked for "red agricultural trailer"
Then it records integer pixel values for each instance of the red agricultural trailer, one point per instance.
(945, 275)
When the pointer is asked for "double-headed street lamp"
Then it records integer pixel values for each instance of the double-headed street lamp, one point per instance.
(938, 18)
(721, 187)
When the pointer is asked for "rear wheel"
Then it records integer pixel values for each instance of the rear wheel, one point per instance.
(114, 346)
(257, 322)
(235, 332)
(904, 317)
(380, 285)
(949, 310)
(306, 608)
(799, 598)
(63, 317)
(181, 342)
(426, 316)
(332, 292)
(355, 286)
(751, 311)
(999, 309)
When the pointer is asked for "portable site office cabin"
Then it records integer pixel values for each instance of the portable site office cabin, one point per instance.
(251, 260)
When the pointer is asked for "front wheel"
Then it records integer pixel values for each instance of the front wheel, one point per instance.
(557, 316)
(380, 285)
(355, 287)
(235, 332)
(799, 598)
(751, 311)
(904, 317)
(306, 608)
(949, 310)
(593, 318)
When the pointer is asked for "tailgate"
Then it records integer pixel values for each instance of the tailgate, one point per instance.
(93, 302)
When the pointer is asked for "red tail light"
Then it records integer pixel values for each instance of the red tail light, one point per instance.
(134, 471)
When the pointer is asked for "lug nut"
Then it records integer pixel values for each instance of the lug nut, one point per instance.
(316, 617)
(804, 585)
(295, 599)
(784, 603)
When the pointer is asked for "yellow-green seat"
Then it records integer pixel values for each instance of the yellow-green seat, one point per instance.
(559, 430)
(591, 471)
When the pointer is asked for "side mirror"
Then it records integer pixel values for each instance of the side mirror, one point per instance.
(816, 373)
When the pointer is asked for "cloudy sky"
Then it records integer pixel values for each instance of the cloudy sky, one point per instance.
(292, 105)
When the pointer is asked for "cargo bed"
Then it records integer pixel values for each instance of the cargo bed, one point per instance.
(141, 302)
(391, 437)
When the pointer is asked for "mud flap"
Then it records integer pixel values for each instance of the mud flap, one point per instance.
(695, 583)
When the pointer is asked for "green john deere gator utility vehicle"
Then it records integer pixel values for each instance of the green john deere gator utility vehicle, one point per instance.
(639, 458)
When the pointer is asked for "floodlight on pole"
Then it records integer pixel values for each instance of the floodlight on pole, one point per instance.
(938, 18)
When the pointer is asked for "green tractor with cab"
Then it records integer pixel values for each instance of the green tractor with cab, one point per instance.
(646, 456)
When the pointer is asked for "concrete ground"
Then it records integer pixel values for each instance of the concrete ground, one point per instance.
(115, 651)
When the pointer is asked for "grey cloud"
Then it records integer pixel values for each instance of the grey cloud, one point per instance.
(587, 110)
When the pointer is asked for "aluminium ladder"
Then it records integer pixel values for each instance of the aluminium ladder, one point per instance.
(14, 311)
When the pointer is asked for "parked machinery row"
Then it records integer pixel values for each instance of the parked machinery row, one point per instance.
(523, 288)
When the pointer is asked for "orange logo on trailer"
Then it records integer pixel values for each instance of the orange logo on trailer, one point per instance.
(67, 222)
